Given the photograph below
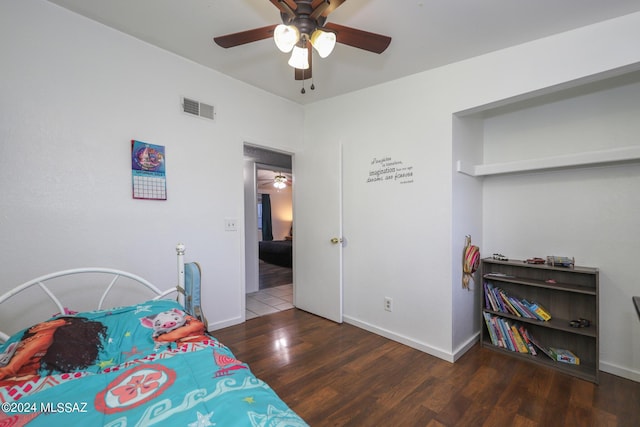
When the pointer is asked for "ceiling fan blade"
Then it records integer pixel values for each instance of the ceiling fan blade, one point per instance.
(244, 37)
(372, 42)
(333, 5)
(289, 4)
(286, 7)
(308, 73)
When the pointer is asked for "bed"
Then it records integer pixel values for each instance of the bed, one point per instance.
(151, 363)
(278, 252)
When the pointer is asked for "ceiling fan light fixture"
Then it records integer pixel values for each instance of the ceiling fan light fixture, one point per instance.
(299, 58)
(280, 181)
(323, 42)
(286, 37)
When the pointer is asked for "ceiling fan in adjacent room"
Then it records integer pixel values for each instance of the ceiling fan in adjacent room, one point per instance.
(304, 26)
(269, 179)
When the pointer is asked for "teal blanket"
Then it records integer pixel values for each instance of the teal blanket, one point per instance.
(143, 371)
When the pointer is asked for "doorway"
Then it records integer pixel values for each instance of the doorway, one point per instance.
(268, 231)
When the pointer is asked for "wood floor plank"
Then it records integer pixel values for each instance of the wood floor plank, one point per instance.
(270, 275)
(339, 375)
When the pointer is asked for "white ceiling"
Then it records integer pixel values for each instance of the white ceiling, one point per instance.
(425, 34)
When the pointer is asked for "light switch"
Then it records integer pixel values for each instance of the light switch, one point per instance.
(230, 224)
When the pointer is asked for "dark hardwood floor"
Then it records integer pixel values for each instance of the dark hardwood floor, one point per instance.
(340, 375)
(271, 275)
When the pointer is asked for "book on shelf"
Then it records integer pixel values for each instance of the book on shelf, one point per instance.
(538, 310)
(524, 310)
(563, 355)
(522, 348)
(494, 274)
(490, 299)
(525, 337)
(490, 328)
(507, 303)
(537, 344)
(506, 330)
(497, 299)
(515, 337)
(506, 335)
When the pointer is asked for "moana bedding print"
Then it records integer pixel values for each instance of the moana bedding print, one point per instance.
(143, 365)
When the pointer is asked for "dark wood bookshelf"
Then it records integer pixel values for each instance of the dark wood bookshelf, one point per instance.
(567, 293)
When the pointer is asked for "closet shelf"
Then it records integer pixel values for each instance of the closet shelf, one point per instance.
(590, 158)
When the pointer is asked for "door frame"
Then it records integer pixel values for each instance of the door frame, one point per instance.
(250, 167)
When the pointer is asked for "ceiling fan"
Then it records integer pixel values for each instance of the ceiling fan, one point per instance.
(304, 26)
(269, 179)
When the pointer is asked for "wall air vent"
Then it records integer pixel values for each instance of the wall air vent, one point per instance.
(197, 108)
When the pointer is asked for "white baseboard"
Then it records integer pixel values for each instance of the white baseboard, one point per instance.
(434, 351)
(225, 323)
(457, 353)
(620, 371)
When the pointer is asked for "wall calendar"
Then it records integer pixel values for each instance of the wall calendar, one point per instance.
(148, 171)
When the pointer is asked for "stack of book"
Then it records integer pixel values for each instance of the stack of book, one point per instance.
(509, 335)
(514, 337)
(497, 299)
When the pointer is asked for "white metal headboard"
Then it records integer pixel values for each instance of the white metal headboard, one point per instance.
(109, 272)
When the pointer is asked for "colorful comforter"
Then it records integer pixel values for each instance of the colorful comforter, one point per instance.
(131, 366)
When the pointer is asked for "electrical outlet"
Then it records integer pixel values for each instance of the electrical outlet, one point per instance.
(230, 224)
(388, 304)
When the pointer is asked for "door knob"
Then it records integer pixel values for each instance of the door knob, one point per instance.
(336, 240)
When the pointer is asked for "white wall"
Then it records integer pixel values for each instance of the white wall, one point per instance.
(467, 216)
(74, 93)
(406, 241)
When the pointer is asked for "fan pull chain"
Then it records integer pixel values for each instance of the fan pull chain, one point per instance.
(313, 87)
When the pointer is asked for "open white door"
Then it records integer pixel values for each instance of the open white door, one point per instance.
(317, 237)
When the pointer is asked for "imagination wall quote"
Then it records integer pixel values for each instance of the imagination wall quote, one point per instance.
(387, 169)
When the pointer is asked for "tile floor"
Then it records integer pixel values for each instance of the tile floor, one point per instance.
(270, 300)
